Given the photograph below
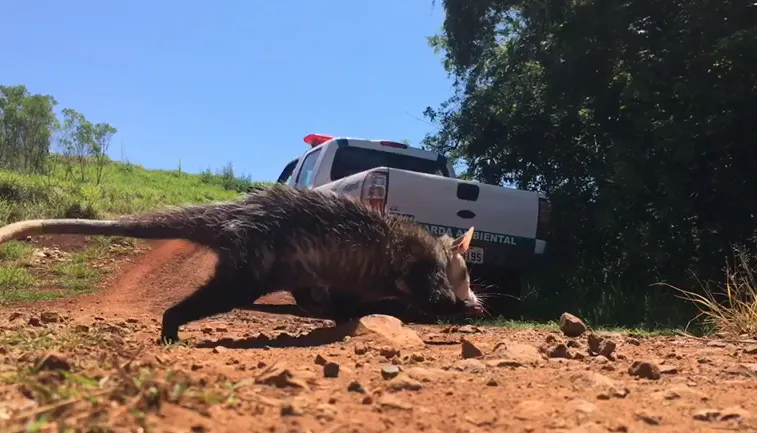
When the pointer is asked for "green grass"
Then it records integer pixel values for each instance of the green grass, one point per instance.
(17, 284)
(75, 274)
(29, 295)
(124, 189)
(553, 325)
(15, 278)
(15, 251)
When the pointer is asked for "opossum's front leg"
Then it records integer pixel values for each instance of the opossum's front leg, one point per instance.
(323, 303)
(224, 292)
(345, 306)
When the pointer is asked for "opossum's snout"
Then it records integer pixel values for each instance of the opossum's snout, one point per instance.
(466, 308)
(428, 284)
(444, 301)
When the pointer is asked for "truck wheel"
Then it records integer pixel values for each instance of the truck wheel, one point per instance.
(503, 295)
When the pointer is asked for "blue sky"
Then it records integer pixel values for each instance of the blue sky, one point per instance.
(232, 80)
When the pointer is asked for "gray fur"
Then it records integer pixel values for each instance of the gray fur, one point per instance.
(282, 238)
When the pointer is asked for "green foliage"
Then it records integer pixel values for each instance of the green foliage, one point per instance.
(634, 118)
(226, 179)
(27, 125)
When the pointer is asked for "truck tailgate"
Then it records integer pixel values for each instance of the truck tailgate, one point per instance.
(501, 216)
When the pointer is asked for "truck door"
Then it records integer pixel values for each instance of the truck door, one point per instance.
(306, 175)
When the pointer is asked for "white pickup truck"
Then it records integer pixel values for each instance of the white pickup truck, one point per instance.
(510, 224)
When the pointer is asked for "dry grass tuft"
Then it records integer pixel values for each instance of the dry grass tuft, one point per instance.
(732, 309)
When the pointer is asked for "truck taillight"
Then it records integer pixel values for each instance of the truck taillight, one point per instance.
(394, 144)
(542, 225)
(374, 190)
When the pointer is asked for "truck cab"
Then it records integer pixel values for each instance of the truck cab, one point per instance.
(337, 158)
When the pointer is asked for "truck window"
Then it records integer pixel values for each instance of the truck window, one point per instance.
(305, 176)
(351, 160)
(286, 174)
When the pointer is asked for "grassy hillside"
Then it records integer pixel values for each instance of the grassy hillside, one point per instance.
(43, 269)
(124, 188)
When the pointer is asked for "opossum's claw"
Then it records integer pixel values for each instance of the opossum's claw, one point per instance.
(167, 339)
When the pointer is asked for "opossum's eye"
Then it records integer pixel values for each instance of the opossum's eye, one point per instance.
(461, 244)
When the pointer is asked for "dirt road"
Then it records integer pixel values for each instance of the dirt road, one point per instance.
(250, 371)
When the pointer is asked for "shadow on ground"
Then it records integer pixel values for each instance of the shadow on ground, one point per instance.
(402, 312)
(316, 337)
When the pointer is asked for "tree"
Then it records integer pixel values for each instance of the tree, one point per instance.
(102, 133)
(635, 118)
(27, 124)
(77, 139)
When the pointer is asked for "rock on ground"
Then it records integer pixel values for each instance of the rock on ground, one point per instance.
(571, 325)
(387, 328)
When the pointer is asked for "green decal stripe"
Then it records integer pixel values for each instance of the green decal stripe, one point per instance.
(482, 238)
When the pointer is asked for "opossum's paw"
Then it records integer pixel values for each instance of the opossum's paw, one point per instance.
(169, 339)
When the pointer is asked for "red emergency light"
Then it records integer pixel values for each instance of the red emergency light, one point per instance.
(316, 139)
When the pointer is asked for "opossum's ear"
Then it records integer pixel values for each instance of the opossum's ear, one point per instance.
(461, 244)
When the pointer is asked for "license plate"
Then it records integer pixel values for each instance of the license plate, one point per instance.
(474, 255)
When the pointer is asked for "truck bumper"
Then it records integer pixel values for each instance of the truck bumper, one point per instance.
(503, 257)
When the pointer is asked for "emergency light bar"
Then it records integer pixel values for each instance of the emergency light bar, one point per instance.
(318, 139)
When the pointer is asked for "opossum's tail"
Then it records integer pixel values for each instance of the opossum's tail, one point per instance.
(188, 223)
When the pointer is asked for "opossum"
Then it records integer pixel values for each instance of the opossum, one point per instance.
(283, 238)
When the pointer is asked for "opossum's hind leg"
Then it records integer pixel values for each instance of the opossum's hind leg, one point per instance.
(224, 292)
(308, 301)
(337, 305)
